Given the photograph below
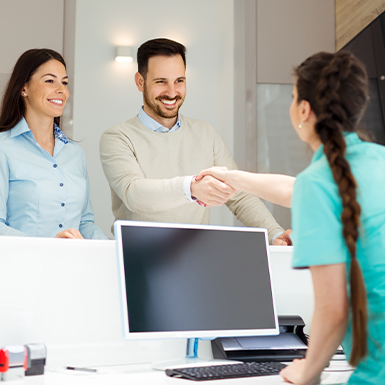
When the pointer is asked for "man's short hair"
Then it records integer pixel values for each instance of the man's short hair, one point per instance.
(158, 47)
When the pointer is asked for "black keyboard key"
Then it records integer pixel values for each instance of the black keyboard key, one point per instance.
(216, 372)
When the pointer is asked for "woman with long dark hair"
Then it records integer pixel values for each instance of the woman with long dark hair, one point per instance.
(338, 217)
(44, 189)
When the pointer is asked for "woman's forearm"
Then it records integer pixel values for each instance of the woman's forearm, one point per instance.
(330, 318)
(275, 188)
(328, 327)
(326, 336)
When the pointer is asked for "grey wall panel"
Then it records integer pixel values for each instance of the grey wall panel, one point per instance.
(26, 24)
(290, 31)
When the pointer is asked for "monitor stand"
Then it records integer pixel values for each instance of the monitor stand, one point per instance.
(191, 359)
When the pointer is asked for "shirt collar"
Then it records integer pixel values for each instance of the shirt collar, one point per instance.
(350, 139)
(59, 134)
(153, 125)
(22, 127)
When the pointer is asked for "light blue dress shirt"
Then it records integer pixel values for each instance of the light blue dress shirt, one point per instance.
(317, 237)
(153, 125)
(40, 194)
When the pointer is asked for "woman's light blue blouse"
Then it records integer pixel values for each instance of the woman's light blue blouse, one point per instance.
(40, 194)
(317, 237)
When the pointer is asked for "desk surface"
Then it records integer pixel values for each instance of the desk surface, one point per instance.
(144, 375)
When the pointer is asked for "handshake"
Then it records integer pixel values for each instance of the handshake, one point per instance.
(211, 187)
(216, 185)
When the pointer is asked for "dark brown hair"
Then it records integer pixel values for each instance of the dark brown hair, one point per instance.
(336, 86)
(12, 107)
(158, 47)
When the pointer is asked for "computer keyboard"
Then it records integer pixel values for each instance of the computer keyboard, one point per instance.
(216, 372)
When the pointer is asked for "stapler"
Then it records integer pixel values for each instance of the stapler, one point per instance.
(13, 362)
(36, 357)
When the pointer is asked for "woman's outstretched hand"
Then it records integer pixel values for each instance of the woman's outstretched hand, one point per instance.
(275, 188)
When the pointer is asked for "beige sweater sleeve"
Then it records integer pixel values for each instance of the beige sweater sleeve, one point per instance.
(126, 178)
(247, 208)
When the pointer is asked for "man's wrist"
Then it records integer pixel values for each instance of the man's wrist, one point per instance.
(277, 235)
(187, 188)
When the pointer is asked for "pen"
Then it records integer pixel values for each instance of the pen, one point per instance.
(81, 369)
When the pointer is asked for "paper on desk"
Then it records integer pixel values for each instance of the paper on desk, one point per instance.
(339, 366)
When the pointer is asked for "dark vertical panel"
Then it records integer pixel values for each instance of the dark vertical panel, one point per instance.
(369, 47)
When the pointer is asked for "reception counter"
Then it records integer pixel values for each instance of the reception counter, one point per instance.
(64, 293)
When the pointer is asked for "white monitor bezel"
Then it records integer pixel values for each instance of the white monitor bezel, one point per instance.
(204, 334)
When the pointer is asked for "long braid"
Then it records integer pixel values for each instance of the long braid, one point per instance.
(339, 100)
(332, 121)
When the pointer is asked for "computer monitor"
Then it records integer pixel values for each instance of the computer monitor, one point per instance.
(194, 281)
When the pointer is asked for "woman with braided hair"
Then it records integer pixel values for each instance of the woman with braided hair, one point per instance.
(338, 218)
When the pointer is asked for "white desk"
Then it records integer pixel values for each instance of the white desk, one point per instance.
(143, 375)
(64, 293)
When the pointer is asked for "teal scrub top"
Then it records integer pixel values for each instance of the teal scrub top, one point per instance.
(317, 237)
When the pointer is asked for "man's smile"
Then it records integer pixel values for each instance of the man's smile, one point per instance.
(169, 102)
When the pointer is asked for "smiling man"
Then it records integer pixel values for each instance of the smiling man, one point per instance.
(150, 161)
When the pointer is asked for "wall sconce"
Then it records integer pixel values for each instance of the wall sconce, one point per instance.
(124, 54)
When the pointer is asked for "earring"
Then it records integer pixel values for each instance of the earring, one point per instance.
(24, 94)
(300, 125)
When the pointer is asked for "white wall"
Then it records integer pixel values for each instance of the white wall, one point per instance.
(105, 92)
(24, 25)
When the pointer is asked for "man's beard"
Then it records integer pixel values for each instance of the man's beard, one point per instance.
(157, 108)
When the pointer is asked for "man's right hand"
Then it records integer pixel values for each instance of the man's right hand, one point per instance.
(211, 191)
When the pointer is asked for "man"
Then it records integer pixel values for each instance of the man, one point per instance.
(150, 161)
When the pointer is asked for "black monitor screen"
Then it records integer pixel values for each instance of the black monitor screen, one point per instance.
(196, 279)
